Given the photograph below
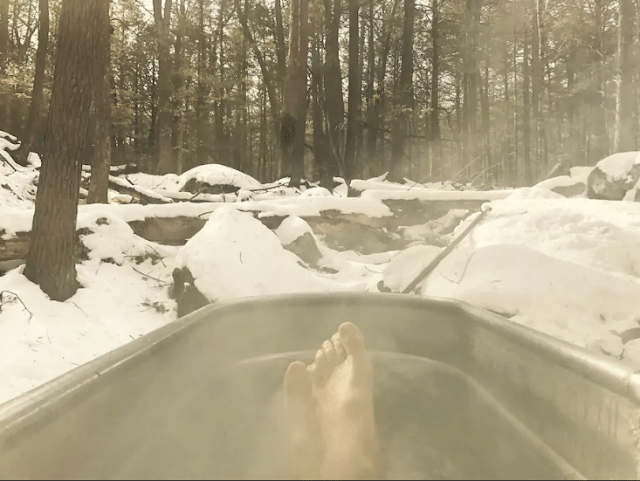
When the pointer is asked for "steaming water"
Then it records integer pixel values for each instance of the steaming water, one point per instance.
(433, 423)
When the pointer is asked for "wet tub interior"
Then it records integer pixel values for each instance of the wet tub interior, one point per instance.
(203, 399)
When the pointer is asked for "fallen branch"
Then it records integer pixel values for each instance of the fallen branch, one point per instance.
(445, 252)
(145, 195)
(16, 296)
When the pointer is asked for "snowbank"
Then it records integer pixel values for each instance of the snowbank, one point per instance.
(565, 300)
(235, 255)
(216, 174)
(123, 296)
(601, 235)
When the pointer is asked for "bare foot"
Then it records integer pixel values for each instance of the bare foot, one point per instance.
(342, 386)
(307, 443)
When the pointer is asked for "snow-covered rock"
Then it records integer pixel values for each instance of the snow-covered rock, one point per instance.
(215, 179)
(298, 237)
(234, 255)
(614, 176)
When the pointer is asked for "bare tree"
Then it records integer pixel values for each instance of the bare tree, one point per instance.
(294, 104)
(354, 122)
(163, 29)
(624, 133)
(50, 262)
(101, 155)
(34, 116)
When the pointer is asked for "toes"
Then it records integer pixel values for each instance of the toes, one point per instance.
(320, 368)
(352, 340)
(341, 354)
(296, 380)
(330, 354)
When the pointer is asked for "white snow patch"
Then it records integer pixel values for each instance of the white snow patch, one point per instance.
(216, 174)
(316, 192)
(406, 266)
(564, 300)
(235, 255)
(115, 305)
(292, 228)
(617, 166)
(601, 235)
(428, 194)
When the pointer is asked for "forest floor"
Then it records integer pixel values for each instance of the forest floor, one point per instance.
(568, 267)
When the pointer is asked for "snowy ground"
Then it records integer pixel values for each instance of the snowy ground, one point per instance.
(567, 267)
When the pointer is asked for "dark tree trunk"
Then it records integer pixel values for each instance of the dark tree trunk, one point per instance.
(294, 104)
(101, 155)
(526, 114)
(35, 106)
(202, 114)
(334, 103)
(50, 262)
(434, 124)
(404, 99)
(4, 52)
(354, 122)
(163, 144)
(625, 129)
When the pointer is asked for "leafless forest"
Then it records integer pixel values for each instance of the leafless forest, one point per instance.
(499, 92)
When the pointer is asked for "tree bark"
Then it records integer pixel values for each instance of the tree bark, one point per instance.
(334, 103)
(163, 29)
(35, 106)
(354, 122)
(434, 124)
(526, 114)
(399, 160)
(624, 134)
(101, 155)
(4, 53)
(50, 262)
(294, 103)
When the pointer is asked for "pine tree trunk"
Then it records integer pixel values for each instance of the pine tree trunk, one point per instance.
(434, 124)
(35, 106)
(101, 155)
(294, 103)
(50, 262)
(404, 100)
(334, 103)
(526, 115)
(4, 52)
(354, 122)
(163, 144)
(624, 134)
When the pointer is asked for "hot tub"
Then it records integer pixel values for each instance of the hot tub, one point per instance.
(459, 394)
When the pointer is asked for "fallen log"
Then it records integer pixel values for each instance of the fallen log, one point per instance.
(146, 196)
(343, 231)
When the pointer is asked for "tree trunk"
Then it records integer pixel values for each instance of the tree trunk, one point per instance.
(35, 106)
(399, 157)
(294, 103)
(101, 155)
(434, 125)
(50, 262)
(624, 134)
(334, 104)
(320, 148)
(354, 122)
(526, 114)
(4, 52)
(372, 136)
(202, 114)
(178, 104)
(601, 147)
(163, 144)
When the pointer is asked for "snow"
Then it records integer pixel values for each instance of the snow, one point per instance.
(19, 220)
(216, 174)
(252, 254)
(115, 305)
(420, 193)
(563, 299)
(617, 166)
(568, 267)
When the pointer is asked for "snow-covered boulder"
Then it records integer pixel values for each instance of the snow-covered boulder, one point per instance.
(614, 176)
(235, 255)
(215, 179)
(298, 237)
